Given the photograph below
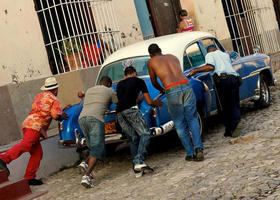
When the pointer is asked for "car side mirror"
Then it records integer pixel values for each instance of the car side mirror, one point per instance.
(256, 49)
(233, 55)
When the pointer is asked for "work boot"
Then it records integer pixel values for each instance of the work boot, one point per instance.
(190, 158)
(199, 156)
(237, 131)
(3, 166)
(34, 182)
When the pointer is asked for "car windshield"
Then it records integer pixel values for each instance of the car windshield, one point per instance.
(115, 70)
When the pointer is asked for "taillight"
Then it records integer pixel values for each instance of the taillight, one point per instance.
(60, 126)
(81, 95)
(154, 112)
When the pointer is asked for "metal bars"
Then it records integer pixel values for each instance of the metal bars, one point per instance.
(78, 33)
(252, 22)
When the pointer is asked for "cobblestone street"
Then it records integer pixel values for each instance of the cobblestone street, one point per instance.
(247, 167)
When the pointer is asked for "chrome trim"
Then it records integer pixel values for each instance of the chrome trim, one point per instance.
(254, 73)
(110, 112)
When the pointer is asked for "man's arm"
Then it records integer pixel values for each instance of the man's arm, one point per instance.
(205, 68)
(153, 77)
(155, 103)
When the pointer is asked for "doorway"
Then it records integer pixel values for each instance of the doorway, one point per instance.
(164, 15)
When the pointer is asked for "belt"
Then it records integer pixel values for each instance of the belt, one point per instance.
(173, 86)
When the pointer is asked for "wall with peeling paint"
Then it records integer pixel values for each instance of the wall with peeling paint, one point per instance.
(22, 53)
(208, 16)
(128, 21)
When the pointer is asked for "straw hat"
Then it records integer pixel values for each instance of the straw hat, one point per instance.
(50, 84)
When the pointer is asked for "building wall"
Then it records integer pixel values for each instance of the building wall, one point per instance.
(206, 16)
(22, 53)
(128, 21)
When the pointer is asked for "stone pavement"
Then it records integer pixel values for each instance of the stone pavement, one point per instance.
(244, 168)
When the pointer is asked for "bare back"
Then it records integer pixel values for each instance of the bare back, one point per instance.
(167, 68)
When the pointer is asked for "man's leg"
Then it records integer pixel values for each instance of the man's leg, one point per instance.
(30, 137)
(191, 116)
(130, 133)
(176, 110)
(133, 139)
(235, 108)
(91, 163)
(33, 164)
(94, 131)
(224, 95)
(138, 123)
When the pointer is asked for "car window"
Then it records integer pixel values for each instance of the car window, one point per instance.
(115, 70)
(193, 57)
(210, 41)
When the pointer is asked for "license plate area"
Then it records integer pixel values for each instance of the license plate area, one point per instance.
(110, 127)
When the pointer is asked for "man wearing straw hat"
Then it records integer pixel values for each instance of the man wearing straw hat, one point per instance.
(45, 107)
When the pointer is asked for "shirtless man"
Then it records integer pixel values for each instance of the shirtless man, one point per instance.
(181, 101)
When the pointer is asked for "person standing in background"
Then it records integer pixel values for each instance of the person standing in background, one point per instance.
(186, 23)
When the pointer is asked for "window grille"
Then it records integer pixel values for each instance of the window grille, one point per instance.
(78, 33)
(252, 22)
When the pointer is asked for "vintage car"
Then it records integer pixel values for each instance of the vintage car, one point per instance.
(190, 48)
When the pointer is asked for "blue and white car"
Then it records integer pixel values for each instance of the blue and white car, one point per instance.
(190, 48)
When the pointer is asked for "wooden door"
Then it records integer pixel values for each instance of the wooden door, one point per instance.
(164, 16)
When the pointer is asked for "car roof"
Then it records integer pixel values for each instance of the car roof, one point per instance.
(169, 44)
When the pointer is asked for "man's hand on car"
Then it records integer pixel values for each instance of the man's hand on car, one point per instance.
(67, 107)
(63, 116)
(157, 103)
(192, 72)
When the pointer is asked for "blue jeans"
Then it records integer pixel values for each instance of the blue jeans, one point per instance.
(94, 132)
(181, 104)
(137, 130)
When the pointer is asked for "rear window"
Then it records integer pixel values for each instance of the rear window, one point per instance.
(115, 70)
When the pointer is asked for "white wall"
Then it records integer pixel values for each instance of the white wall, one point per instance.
(22, 53)
(208, 16)
(128, 21)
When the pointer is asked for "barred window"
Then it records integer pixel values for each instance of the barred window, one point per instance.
(78, 33)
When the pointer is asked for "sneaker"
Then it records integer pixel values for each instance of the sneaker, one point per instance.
(86, 182)
(199, 154)
(138, 167)
(190, 158)
(3, 166)
(138, 174)
(147, 170)
(83, 166)
(237, 131)
(34, 182)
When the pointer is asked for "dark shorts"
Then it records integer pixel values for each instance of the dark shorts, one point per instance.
(94, 132)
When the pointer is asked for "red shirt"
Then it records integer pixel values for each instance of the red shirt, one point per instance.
(45, 106)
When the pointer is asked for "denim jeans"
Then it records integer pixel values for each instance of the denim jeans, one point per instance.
(181, 104)
(94, 131)
(137, 130)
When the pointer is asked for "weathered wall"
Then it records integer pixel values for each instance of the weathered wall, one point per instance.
(22, 53)
(128, 21)
(16, 99)
(206, 16)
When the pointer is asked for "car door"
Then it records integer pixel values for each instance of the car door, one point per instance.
(194, 57)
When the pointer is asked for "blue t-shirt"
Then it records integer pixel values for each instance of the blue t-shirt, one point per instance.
(221, 62)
